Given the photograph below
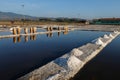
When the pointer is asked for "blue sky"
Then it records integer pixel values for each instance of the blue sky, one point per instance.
(63, 8)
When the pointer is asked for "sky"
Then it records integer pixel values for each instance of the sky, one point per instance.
(88, 9)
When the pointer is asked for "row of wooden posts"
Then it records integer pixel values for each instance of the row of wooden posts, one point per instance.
(17, 30)
(59, 28)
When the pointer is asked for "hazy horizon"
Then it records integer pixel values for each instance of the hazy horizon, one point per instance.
(87, 9)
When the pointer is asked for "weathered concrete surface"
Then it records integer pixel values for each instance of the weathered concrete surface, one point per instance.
(68, 65)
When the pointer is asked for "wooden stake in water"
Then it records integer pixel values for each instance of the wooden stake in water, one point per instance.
(31, 30)
(14, 31)
(34, 29)
(18, 30)
(59, 28)
(26, 30)
(51, 28)
(48, 28)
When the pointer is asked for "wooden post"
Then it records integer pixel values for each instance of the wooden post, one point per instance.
(18, 30)
(14, 31)
(51, 28)
(26, 30)
(48, 28)
(59, 28)
(34, 29)
(31, 30)
(65, 28)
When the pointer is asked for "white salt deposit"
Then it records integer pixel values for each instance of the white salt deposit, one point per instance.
(99, 42)
(111, 35)
(116, 32)
(54, 77)
(105, 36)
(76, 52)
(11, 29)
(73, 62)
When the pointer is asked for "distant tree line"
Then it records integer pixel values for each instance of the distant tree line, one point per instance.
(69, 20)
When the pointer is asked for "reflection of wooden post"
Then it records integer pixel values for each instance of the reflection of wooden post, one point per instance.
(14, 40)
(26, 30)
(58, 33)
(14, 31)
(65, 32)
(34, 37)
(47, 34)
(51, 34)
(18, 30)
(18, 39)
(31, 31)
(26, 38)
(31, 37)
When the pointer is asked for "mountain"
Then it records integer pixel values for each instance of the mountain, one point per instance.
(12, 16)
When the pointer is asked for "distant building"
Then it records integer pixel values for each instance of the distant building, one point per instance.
(87, 23)
(106, 21)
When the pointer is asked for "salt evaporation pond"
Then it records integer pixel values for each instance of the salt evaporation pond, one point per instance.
(105, 66)
(21, 55)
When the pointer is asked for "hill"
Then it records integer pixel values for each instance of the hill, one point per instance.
(12, 16)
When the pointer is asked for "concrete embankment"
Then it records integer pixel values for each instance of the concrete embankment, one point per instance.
(65, 67)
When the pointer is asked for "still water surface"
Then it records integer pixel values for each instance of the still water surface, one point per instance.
(105, 66)
(20, 55)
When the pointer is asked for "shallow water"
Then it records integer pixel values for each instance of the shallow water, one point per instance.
(105, 66)
(20, 55)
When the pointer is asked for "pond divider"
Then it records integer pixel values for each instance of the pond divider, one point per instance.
(65, 67)
(16, 31)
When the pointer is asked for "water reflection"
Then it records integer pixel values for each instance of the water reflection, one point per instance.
(19, 39)
(19, 59)
(34, 37)
(26, 38)
(50, 34)
(65, 32)
(14, 39)
(58, 34)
